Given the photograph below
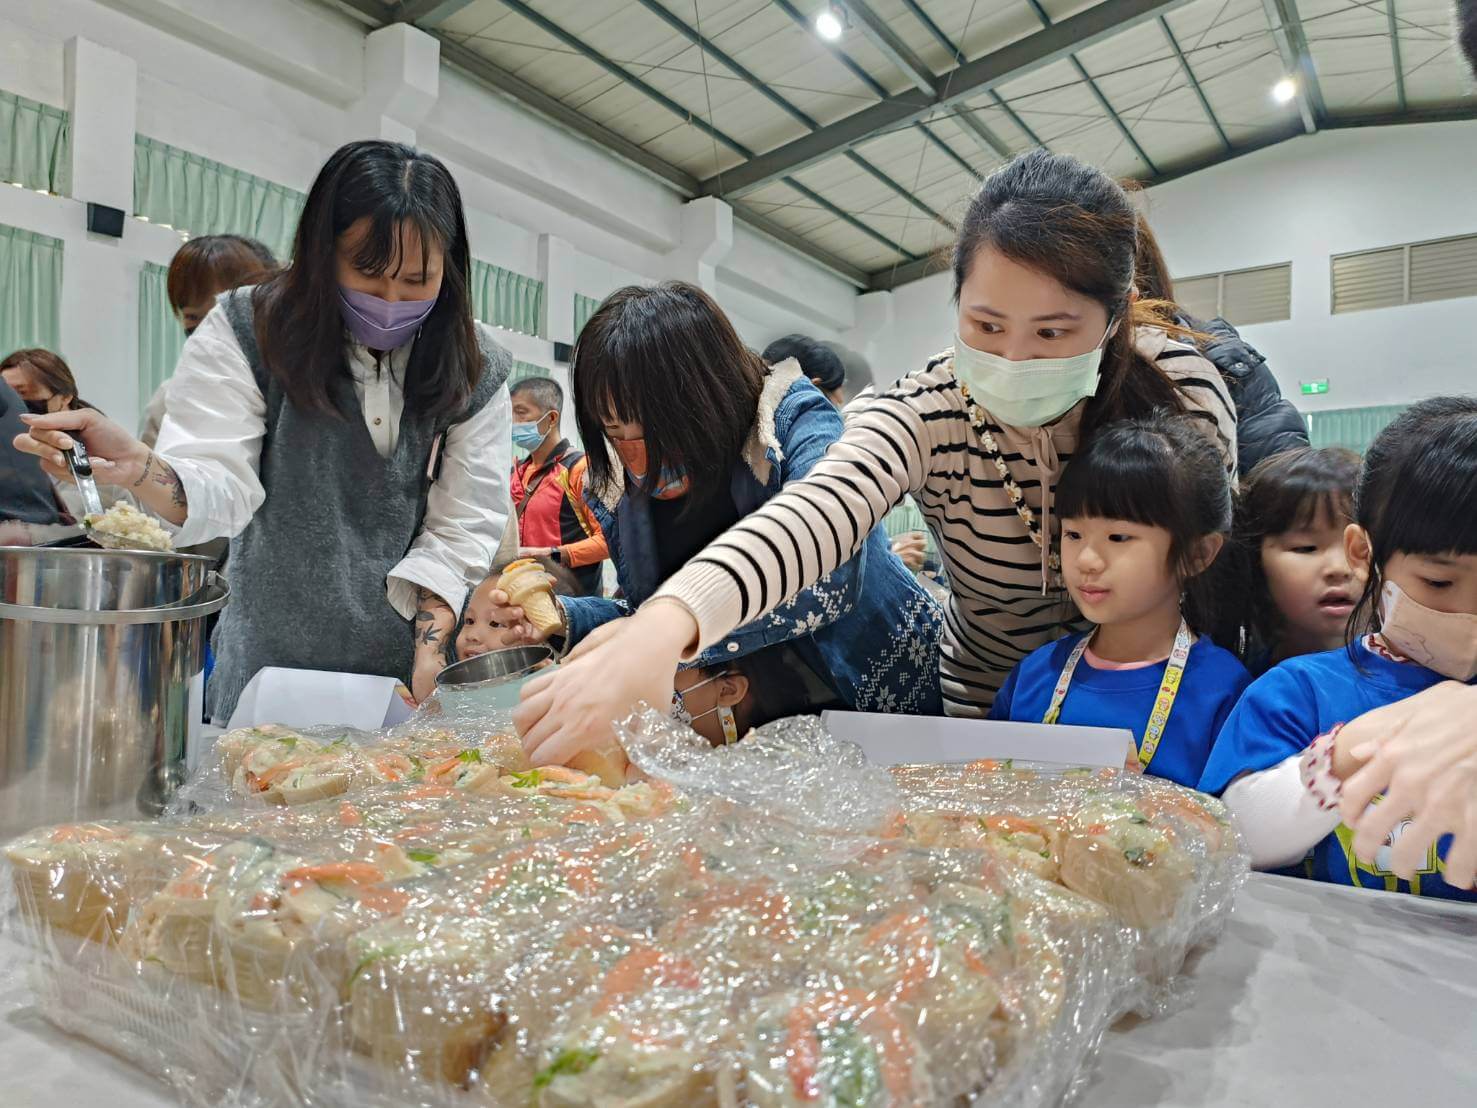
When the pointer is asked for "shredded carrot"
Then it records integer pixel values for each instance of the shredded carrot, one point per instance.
(803, 1053)
(353, 873)
(378, 898)
(563, 775)
(348, 815)
(86, 833)
(269, 777)
(642, 969)
(394, 767)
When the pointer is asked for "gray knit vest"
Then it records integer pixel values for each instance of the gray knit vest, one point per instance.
(308, 572)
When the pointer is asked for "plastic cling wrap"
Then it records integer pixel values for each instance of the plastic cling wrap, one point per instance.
(420, 918)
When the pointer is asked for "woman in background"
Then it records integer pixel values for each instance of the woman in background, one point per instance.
(346, 423)
(201, 270)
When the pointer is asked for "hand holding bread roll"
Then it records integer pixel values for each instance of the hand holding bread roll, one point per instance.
(528, 587)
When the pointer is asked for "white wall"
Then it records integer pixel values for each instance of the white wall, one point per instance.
(273, 86)
(1301, 201)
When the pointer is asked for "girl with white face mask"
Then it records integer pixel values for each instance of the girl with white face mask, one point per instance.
(1282, 757)
(1051, 344)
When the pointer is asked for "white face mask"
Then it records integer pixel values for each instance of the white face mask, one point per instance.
(1033, 391)
(1442, 641)
(726, 719)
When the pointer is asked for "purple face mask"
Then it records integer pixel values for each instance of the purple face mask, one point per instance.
(382, 324)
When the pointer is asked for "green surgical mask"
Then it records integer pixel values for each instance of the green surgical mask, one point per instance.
(1031, 392)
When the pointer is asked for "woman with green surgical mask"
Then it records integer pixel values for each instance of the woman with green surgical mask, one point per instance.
(1052, 343)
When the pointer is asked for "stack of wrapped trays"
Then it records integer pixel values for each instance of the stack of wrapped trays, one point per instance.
(422, 918)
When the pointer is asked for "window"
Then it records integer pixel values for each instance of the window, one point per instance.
(1413, 273)
(1241, 296)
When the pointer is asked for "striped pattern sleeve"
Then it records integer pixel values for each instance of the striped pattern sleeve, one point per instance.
(816, 524)
(1203, 393)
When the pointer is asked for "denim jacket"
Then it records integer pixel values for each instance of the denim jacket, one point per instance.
(868, 629)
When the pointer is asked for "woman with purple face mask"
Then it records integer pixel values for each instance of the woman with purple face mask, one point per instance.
(345, 423)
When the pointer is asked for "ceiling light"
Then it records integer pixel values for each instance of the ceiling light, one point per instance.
(830, 23)
(1284, 90)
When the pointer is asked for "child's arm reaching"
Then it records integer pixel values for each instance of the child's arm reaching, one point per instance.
(1279, 817)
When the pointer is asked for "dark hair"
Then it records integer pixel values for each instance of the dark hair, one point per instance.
(1161, 470)
(1417, 492)
(210, 264)
(776, 688)
(544, 391)
(299, 326)
(1074, 223)
(1466, 25)
(667, 357)
(50, 370)
(1150, 270)
(817, 360)
(1289, 491)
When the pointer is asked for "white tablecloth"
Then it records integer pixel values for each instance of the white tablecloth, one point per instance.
(1314, 996)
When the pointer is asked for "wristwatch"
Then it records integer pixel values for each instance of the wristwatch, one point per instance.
(556, 555)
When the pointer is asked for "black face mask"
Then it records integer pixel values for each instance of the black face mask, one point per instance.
(38, 407)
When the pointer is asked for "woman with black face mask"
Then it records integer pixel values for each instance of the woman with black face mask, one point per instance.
(345, 422)
(44, 383)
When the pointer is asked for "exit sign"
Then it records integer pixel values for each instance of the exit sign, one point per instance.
(1315, 388)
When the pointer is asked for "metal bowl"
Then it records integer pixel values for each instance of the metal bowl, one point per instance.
(490, 682)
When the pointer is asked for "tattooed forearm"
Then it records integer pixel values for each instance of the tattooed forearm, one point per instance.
(161, 489)
(148, 469)
(433, 624)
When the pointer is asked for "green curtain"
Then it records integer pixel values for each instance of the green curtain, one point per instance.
(584, 308)
(35, 144)
(1355, 428)
(30, 290)
(203, 197)
(507, 299)
(524, 370)
(160, 336)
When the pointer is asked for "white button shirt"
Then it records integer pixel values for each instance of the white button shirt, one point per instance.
(212, 436)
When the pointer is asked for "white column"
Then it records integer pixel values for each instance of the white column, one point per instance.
(556, 270)
(707, 238)
(402, 75)
(99, 309)
(102, 96)
(874, 315)
(556, 264)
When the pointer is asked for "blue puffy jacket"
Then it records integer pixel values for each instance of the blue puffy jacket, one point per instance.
(868, 629)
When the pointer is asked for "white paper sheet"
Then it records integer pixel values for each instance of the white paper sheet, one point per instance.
(899, 740)
(317, 698)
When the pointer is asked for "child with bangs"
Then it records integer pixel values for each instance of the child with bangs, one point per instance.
(1145, 511)
(1289, 537)
(1281, 759)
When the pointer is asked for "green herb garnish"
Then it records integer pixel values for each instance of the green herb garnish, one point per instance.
(426, 856)
(528, 779)
(1136, 856)
(568, 1061)
(289, 741)
(856, 1077)
(469, 756)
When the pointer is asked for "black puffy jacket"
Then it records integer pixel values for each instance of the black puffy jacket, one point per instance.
(1266, 421)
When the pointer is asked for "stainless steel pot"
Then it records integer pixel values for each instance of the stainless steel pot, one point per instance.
(490, 682)
(98, 653)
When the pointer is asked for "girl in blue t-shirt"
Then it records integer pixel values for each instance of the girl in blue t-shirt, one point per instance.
(1145, 508)
(1289, 540)
(1280, 760)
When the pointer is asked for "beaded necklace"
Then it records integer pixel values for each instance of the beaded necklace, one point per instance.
(978, 421)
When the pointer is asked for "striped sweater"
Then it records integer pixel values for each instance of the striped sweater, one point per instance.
(916, 438)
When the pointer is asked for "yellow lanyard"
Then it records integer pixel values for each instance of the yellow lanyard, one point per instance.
(1169, 688)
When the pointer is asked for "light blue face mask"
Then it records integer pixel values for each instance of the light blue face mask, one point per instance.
(1031, 392)
(527, 436)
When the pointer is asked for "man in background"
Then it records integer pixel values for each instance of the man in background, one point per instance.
(548, 486)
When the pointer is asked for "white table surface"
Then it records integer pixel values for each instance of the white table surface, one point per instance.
(1315, 995)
